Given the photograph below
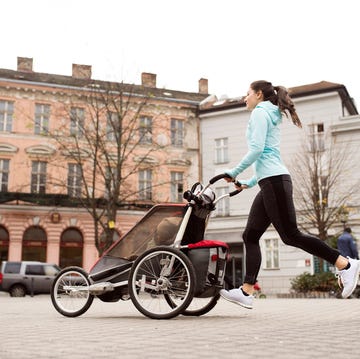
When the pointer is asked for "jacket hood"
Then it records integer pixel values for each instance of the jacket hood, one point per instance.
(272, 110)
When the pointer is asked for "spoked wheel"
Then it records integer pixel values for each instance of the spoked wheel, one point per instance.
(198, 306)
(201, 306)
(162, 283)
(70, 292)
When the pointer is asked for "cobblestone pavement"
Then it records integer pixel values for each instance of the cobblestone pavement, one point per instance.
(276, 328)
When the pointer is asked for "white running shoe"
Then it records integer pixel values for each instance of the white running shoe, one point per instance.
(349, 277)
(238, 297)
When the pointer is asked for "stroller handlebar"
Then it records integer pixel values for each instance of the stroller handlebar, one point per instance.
(224, 175)
(234, 193)
(218, 177)
(197, 198)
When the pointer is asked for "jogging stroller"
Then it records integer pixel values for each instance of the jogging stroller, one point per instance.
(163, 264)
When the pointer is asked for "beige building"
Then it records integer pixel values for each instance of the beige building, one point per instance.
(48, 125)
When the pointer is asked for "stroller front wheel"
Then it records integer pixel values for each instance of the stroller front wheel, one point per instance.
(70, 292)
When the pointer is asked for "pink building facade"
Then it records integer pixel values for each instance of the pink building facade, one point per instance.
(33, 224)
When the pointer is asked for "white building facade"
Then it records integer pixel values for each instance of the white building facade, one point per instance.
(323, 108)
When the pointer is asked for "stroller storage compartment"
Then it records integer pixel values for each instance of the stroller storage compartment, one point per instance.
(109, 267)
(209, 261)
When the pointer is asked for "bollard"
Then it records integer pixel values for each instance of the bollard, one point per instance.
(32, 287)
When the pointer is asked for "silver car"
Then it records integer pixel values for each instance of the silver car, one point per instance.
(27, 277)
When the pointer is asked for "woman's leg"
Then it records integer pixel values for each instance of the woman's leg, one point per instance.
(256, 225)
(258, 222)
(278, 202)
(274, 204)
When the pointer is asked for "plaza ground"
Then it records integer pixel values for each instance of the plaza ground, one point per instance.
(275, 328)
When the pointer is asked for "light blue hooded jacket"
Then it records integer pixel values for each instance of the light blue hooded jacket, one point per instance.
(263, 139)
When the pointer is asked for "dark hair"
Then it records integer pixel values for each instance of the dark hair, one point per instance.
(348, 229)
(279, 96)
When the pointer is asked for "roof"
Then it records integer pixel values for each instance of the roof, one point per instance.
(206, 103)
(70, 81)
(212, 104)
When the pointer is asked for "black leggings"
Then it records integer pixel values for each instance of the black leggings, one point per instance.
(274, 205)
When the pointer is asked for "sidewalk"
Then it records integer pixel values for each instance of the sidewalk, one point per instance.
(275, 328)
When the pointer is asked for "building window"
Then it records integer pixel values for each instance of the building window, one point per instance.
(145, 185)
(177, 186)
(6, 115)
(223, 206)
(272, 253)
(112, 121)
(38, 177)
(4, 174)
(74, 180)
(317, 137)
(145, 130)
(320, 265)
(42, 116)
(221, 150)
(77, 121)
(177, 132)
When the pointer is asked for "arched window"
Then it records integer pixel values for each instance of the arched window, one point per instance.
(34, 244)
(4, 244)
(71, 248)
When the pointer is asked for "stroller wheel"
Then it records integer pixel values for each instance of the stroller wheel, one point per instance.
(198, 306)
(201, 306)
(162, 283)
(70, 292)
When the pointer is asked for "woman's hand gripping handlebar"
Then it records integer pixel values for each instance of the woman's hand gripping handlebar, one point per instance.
(196, 198)
(226, 176)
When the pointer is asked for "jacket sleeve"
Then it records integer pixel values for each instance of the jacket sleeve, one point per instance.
(256, 141)
(249, 182)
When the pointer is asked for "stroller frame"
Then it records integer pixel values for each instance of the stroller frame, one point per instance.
(162, 280)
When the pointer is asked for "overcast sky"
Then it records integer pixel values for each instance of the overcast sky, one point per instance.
(229, 42)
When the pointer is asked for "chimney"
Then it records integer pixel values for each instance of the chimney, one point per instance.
(81, 71)
(203, 86)
(25, 64)
(148, 80)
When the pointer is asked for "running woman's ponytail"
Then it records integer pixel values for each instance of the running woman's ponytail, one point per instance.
(279, 96)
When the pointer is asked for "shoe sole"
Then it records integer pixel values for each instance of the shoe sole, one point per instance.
(355, 282)
(236, 302)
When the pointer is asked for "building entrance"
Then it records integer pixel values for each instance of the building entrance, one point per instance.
(4, 244)
(34, 244)
(71, 248)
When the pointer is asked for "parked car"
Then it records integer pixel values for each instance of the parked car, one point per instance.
(27, 277)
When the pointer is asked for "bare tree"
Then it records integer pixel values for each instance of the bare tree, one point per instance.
(324, 187)
(109, 142)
